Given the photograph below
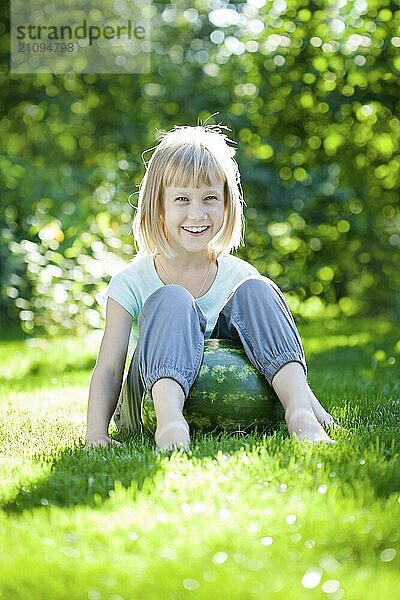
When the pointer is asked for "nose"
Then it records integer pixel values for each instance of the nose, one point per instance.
(197, 213)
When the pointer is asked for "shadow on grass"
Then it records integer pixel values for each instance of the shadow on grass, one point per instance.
(81, 478)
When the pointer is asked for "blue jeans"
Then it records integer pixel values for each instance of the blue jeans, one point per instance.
(171, 339)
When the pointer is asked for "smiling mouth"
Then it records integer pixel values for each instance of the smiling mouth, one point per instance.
(196, 230)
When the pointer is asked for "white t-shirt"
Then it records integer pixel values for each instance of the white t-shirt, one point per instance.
(133, 284)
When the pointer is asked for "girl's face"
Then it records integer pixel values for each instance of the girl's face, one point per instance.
(193, 216)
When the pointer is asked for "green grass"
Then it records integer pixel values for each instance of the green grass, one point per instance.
(238, 518)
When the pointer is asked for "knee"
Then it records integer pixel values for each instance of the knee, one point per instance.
(255, 285)
(173, 295)
(175, 292)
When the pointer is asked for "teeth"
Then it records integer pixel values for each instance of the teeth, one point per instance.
(194, 229)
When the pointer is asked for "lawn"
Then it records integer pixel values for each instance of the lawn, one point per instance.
(238, 517)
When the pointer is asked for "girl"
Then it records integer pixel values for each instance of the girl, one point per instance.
(184, 286)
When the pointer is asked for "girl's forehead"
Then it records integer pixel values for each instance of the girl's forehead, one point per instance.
(211, 181)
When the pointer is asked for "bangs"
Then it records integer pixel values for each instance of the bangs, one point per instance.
(191, 166)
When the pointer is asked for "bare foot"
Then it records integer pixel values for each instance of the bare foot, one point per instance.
(323, 417)
(303, 424)
(172, 436)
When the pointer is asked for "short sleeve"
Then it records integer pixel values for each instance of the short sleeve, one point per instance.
(247, 268)
(252, 270)
(121, 289)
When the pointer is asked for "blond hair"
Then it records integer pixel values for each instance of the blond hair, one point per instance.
(189, 156)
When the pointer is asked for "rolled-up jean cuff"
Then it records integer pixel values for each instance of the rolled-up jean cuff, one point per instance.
(279, 362)
(171, 374)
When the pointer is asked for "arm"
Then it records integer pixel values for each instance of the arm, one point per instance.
(106, 381)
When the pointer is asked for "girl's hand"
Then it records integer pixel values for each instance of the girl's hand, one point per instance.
(103, 440)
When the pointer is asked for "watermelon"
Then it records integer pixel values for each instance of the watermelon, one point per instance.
(229, 394)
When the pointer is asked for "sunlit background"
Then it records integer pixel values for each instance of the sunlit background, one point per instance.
(310, 91)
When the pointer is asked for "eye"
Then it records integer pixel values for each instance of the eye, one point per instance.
(181, 199)
(211, 198)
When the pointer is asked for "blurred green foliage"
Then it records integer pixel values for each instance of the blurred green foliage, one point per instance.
(310, 91)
